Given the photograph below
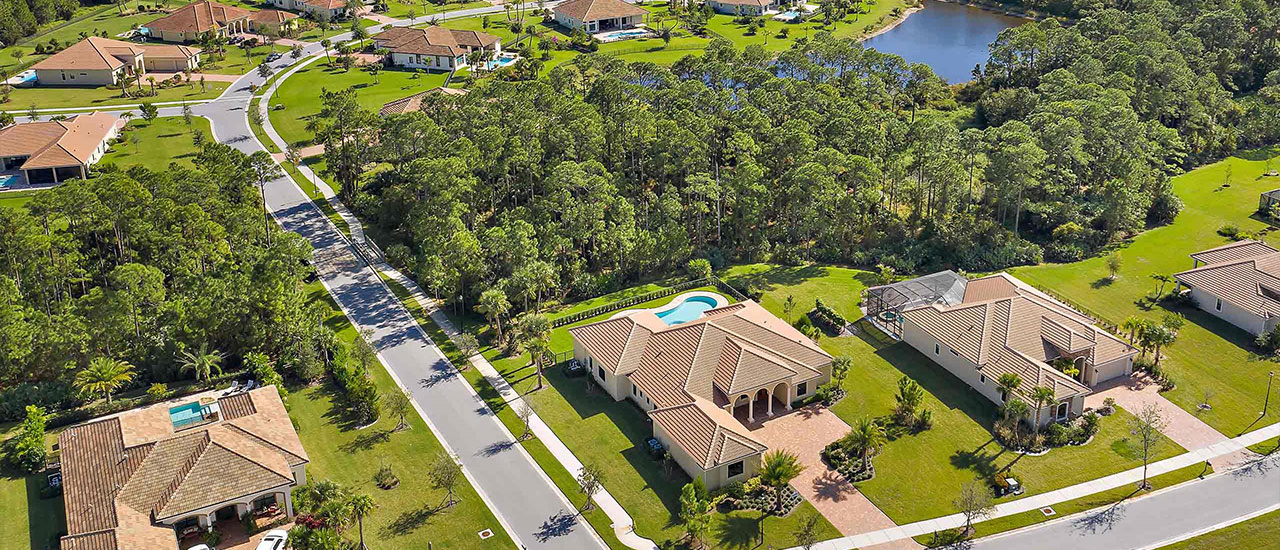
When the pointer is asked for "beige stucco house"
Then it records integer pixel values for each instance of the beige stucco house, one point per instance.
(595, 16)
(97, 61)
(1238, 283)
(982, 328)
(330, 10)
(187, 23)
(144, 478)
(742, 7)
(434, 47)
(700, 380)
(53, 151)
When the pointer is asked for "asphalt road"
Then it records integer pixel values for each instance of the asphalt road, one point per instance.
(516, 489)
(1152, 521)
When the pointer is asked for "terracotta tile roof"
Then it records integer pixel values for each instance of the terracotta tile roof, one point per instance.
(272, 17)
(414, 102)
(760, 3)
(1248, 281)
(432, 40)
(1004, 325)
(59, 143)
(169, 51)
(325, 4)
(92, 53)
(236, 406)
(591, 10)
(729, 350)
(198, 17)
(120, 472)
(708, 433)
(1238, 250)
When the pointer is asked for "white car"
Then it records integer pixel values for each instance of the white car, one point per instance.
(202, 547)
(275, 540)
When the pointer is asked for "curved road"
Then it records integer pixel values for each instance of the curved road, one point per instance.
(533, 511)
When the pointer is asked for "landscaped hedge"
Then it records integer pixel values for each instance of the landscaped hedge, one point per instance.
(634, 300)
(847, 464)
(102, 408)
(752, 495)
(827, 317)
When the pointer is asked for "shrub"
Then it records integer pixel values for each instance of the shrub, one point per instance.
(827, 316)
(26, 451)
(1056, 435)
(158, 391)
(1229, 230)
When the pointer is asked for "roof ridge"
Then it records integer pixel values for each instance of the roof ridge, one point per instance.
(183, 472)
(251, 460)
(714, 323)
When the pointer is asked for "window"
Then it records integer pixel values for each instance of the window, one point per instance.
(937, 349)
(736, 469)
(1218, 306)
(802, 389)
(1062, 410)
(982, 378)
(633, 390)
(600, 370)
(955, 353)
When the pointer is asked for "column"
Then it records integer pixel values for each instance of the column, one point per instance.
(209, 520)
(288, 504)
(769, 397)
(751, 408)
(790, 389)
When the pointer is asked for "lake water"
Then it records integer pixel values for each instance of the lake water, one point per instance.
(951, 38)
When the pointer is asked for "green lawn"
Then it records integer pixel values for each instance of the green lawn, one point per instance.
(314, 34)
(15, 199)
(90, 19)
(1210, 355)
(959, 447)
(1259, 532)
(407, 517)
(234, 60)
(400, 9)
(300, 94)
(53, 97)
(28, 521)
(160, 142)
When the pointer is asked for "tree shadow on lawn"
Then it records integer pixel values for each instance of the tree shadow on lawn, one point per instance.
(366, 441)
(983, 461)
(45, 521)
(738, 532)
(338, 414)
(945, 387)
(1260, 154)
(411, 520)
(770, 279)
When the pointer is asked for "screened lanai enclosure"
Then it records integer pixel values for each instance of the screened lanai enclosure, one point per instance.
(883, 305)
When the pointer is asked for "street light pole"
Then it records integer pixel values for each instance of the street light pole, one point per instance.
(1267, 400)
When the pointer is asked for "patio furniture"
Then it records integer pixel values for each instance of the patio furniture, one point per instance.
(574, 369)
(251, 385)
(656, 449)
(189, 531)
(235, 387)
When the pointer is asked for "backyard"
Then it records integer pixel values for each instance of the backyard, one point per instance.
(58, 97)
(89, 19)
(1211, 357)
(27, 521)
(160, 142)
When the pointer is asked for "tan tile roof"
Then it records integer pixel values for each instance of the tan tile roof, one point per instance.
(271, 17)
(198, 17)
(414, 102)
(591, 10)
(432, 40)
(55, 144)
(760, 3)
(1004, 325)
(1238, 250)
(1239, 279)
(92, 53)
(326, 4)
(169, 51)
(236, 406)
(708, 433)
(729, 350)
(113, 487)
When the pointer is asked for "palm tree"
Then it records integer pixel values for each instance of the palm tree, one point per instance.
(1132, 324)
(1041, 395)
(535, 336)
(203, 363)
(1007, 384)
(1160, 336)
(104, 375)
(361, 505)
(494, 304)
(326, 44)
(777, 469)
(1015, 409)
(867, 438)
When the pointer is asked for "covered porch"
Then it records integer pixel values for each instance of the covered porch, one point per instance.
(266, 507)
(761, 403)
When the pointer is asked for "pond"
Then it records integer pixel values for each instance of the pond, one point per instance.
(951, 38)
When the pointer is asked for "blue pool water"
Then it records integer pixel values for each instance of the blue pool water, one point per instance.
(500, 62)
(688, 310)
(187, 414)
(790, 14)
(8, 179)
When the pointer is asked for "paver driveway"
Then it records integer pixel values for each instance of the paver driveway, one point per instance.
(806, 431)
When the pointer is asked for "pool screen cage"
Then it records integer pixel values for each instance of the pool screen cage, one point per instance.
(884, 304)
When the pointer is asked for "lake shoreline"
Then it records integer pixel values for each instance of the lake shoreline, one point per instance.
(900, 20)
(970, 3)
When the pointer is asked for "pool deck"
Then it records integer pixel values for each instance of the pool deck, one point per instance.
(721, 301)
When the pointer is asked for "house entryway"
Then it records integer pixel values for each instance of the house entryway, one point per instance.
(805, 431)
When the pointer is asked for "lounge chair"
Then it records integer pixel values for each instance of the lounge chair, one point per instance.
(251, 385)
(235, 386)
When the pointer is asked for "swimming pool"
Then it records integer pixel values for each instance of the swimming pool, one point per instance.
(689, 309)
(614, 36)
(7, 180)
(500, 62)
(187, 414)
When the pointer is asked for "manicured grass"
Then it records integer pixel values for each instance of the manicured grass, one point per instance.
(1074, 506)
(315, 34)
(91, 19)
(160, 142)
(300, 94)
(1210, 355)
(400, 9)
(408, 516)
(15, 199)
(234, 60)
(611, 434)
(1259, 532)
(53, 97)
(959, 447)
(258, 130)
(28, 521)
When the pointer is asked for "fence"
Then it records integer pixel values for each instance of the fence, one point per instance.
(1101, 321)
(635, 300)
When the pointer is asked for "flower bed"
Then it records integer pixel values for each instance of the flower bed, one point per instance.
(1019, 438)
(847, 464)
(762, 498)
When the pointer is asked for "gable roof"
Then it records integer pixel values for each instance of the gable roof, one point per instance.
(591, 10)
(92, 53)
(326, 4)
(198, 17)
(1241, 274)
(122, 471)
(690, 369)
(1003, 325)
(272, 17)
(414, 102)
(56, 143)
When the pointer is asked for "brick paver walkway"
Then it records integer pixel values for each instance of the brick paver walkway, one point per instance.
(1135, 392)
(805, 432)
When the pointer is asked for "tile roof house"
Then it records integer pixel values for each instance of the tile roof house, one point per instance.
(1237, 282)
(56, 150)
(330, 9)
(693, 378)
(142, 479)
(187, 23)
(982, 328)
(415, 101)
(595, 16)
(97, 61)
(743, 7)
(264, 20)
(433, 47)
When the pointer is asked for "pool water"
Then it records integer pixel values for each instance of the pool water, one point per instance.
(8, 179)
(500, 62)
(622, 35)
(187, 414)
(691, 308)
